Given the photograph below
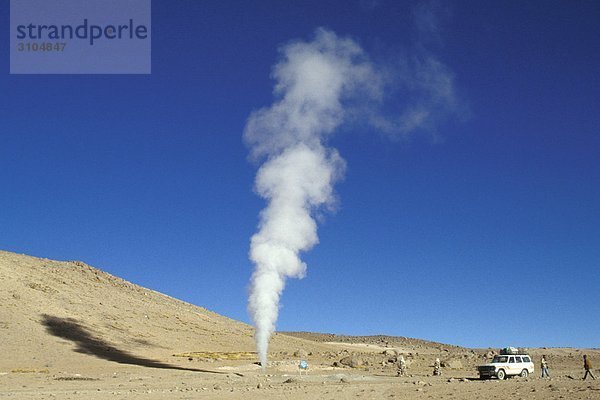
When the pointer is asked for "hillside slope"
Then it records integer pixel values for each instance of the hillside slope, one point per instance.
(59, 313)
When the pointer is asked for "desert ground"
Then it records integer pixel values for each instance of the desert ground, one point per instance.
(71, 331)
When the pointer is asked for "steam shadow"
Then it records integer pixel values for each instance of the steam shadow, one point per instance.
(70, 329)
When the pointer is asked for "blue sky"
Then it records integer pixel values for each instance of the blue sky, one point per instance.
(493, 213)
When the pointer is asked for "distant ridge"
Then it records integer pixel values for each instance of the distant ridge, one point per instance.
(381, 340)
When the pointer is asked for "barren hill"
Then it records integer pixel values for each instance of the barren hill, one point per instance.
(71, 331)
(57, 313)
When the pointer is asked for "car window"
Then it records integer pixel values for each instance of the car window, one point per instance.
(511, 360)
(526, 359)
(518, 359)
(500, 359)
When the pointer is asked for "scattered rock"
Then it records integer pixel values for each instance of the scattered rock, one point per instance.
(300, 354)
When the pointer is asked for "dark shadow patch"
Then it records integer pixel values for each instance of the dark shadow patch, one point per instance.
(70, 329)
(146, 343)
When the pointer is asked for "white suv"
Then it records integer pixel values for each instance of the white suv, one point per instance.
(507, 365)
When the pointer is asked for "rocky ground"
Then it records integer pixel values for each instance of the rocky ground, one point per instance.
(70, 331)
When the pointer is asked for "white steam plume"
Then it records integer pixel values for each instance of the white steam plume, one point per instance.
(312, 81)
(320, 85)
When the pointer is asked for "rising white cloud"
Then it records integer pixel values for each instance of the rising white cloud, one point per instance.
(319, 85)
(312, 80)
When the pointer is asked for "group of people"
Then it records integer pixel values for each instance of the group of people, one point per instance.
(587, 366)
(437, 367)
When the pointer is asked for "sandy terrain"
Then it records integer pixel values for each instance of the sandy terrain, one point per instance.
(70, 331)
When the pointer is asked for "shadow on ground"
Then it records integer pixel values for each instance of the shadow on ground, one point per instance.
(87, 343)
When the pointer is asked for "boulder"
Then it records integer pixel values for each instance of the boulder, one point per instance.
(352, 361)
(452, 364)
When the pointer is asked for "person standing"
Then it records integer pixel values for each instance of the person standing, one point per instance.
(587, 365)
(544, 367)
(401, 366)
(437, 367)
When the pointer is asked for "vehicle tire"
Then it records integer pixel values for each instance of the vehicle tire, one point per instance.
(501, 374)
(524, 373)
